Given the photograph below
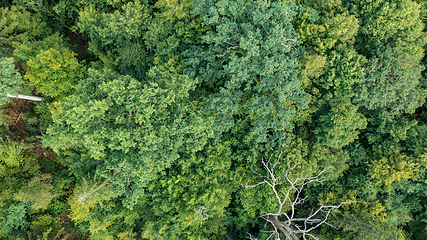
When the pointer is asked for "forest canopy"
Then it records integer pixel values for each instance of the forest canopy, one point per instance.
(213, 119)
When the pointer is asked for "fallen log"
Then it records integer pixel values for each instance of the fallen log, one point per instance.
(27, 97)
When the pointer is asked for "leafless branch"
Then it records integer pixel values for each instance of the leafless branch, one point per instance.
(201, 214)
(228, 50)
(288, 199)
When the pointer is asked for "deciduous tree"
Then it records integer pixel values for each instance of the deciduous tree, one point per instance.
(386, 22)
(117, 37)
(135, 130)
(247, 67)
(55, 73)
(10, 79)
(16, 219)
(391, 85)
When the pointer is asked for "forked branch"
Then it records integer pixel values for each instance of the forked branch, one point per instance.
(285, 220)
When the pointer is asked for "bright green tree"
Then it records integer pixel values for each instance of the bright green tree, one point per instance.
(135, 130)
(324, 25)
(341, 72)
(337, 121)
(414, 191)
(16, 219)
(55, 73)
(87, 195)
(391, 166)
(340, 125)
(45, 227)
(112, 221)
(7, 28)
(191, 201)
(389, 22)
(96, 209)
(28, 49)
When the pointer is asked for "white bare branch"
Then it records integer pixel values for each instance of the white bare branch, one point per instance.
(284, 220)
(201, 214)
(227, 51)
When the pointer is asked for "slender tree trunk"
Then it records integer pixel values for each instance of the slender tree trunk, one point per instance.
(32, 98)
(414, 115)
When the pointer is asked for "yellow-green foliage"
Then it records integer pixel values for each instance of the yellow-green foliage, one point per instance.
(341, 125)
(87, 195)
(46, 227)
(55, 72)
(390, 166)
(395, 23)
(332, 26)
(38, 192)
(18, 26)
(12, 153)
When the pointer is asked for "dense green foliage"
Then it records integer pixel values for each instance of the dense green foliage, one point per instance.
(10, 80)
(163, 118)
(54, 73)
(248, 66)
(135, 130)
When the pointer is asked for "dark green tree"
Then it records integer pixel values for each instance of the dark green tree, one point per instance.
(172, 30)
(390, 87)
(10, 79)
(17, 26)
(363, 225)
(117, 37)
(247, 67)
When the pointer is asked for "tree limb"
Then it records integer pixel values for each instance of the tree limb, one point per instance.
(293, 226)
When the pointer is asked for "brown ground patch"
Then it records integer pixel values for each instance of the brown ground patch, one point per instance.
(15, 122)
(13, 113)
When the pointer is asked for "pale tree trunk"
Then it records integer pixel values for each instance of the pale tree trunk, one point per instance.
(32, 98)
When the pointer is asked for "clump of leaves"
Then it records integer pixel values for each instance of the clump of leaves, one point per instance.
(55, 72)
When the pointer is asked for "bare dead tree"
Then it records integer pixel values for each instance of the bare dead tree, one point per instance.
(284, 221)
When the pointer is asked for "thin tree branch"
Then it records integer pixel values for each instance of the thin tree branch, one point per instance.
(292, 226)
